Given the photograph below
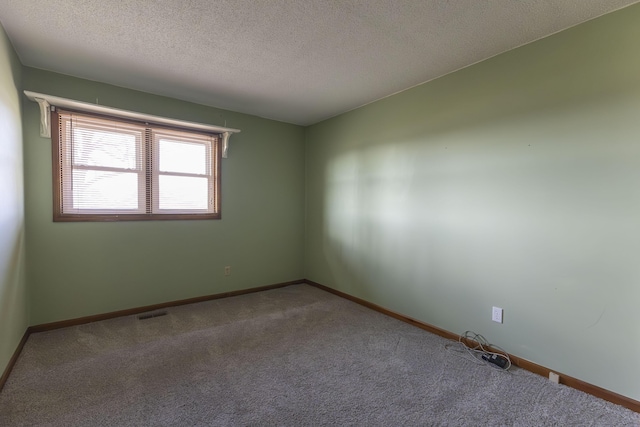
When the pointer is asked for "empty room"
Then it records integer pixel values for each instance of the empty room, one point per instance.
(319, 213)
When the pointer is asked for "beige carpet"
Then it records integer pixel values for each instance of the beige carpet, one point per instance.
(291, 356)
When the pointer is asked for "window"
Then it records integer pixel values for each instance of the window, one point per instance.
(109, 169)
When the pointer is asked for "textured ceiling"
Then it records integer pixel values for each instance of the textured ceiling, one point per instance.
(298, 61)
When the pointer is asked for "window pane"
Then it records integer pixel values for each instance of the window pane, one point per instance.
(179, 192)
(104, 190)
(183, 157)
(102, 148)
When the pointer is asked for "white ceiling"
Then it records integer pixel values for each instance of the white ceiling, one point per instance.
(296, 61)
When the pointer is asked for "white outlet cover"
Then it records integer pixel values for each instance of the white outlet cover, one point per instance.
(496, 314)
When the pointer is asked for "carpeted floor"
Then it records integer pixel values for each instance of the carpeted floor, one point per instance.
(291, 356)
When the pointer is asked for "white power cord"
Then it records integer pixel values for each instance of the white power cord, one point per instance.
(480, 350)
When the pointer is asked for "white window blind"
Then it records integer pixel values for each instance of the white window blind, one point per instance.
(103, 165)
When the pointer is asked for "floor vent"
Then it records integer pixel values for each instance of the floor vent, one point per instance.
(145, 316)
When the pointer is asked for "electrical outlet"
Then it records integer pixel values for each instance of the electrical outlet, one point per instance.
(496, 314)
(554, 378)
(227, 270)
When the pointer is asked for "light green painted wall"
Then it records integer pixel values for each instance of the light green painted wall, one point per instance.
(80, 269)
(515, 183)
(14, 315)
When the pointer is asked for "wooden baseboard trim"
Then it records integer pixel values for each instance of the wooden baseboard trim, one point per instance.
(429, 328)
(14, 358)
(578, 384)
(567, 380)
(111, 315)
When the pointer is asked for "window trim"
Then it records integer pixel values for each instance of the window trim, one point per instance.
(57, 166)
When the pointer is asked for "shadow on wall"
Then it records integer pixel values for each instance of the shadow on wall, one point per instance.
(465, 179)
(512, 182)
(11, 282)
(450, 210)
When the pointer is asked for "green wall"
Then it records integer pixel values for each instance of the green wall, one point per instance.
(514, 182)
(80, 269)
(13, 293)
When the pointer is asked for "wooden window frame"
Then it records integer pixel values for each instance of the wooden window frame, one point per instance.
(150, 175)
